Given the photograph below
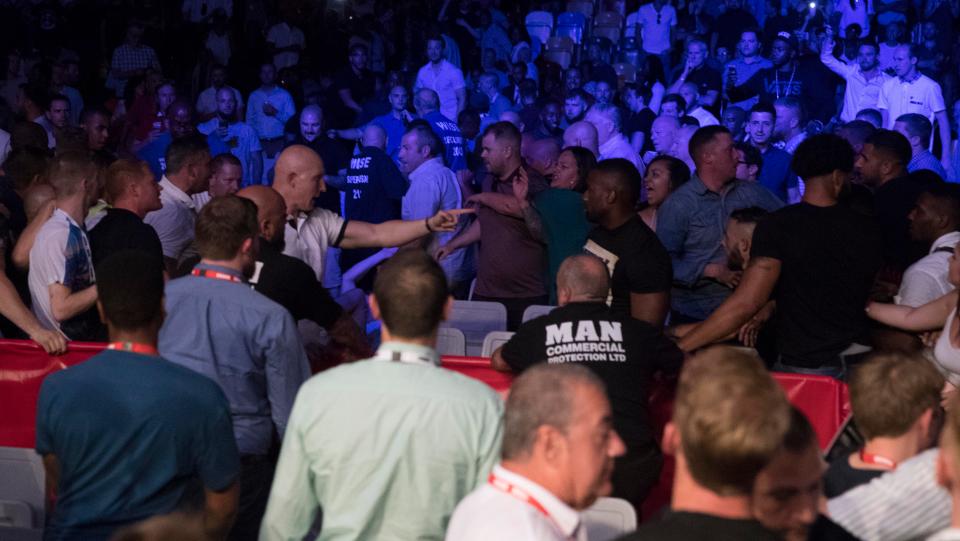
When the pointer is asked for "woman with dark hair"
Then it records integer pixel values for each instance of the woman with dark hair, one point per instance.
(664, 175)
(556, 215)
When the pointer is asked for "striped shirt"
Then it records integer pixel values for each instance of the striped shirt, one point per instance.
(902, 505)
(924, 159)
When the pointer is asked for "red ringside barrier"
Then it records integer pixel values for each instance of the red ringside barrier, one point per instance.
(23, 365)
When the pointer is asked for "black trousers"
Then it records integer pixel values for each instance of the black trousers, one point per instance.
(256, 476)
(635, 474)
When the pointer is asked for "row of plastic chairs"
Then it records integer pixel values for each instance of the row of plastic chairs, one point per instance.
(470, 322)
(574, 24)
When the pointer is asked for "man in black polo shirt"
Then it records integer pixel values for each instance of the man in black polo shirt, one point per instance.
(133, 192)
(623, 351)
(292, 284)
(640, 270)
(335, 157)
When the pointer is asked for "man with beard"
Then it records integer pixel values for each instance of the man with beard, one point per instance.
(335, 159)
(864, 78)
(238, 136)
(218, 326)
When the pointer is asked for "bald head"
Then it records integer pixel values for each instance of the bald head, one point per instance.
(271, 210)
(581, 134)
(513, 118)
(582, 278)
(311, 122)
(542, 154)
(426, 101)
(374, 136)
(298, 178)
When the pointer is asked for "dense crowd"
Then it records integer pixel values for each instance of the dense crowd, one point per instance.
(266, 209)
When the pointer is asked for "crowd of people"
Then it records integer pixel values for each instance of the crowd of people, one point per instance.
(230, 195)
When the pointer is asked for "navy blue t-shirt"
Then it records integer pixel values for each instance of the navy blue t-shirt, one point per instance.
(374, 191)
(775, 173)
(449, 133)
(135, 436)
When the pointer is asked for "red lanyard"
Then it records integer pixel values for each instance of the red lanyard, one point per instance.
(518, 493)
(877, 460)
(216, 275)
(134, 347)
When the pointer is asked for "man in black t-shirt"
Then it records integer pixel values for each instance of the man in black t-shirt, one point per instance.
(355, 86)
(817, 259)
(729, 420)
(291, 283)
(623, 351)
(133, 192)
(335, 157)
(639, 265)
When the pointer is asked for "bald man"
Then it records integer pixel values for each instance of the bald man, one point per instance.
(582, 134)
(227, 129)
(292, 284)
(179, 124)
(427, 105)
(541, 155)
(374, 188)
(335, 158)
(299, 178)
(663, 135)
(623, 351)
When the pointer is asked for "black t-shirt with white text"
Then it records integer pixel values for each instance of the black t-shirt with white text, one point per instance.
(829, 258)
(635, 258)
(622, 351)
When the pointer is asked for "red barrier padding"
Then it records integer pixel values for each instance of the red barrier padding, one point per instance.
(23, 365)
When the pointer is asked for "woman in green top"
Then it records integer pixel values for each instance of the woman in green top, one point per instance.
(556, 216)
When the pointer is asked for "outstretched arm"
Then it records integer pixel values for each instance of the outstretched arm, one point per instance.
(398, 232)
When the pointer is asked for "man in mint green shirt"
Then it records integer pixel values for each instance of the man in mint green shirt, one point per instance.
(387, 447)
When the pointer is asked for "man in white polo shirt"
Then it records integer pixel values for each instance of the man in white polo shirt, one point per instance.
(656, 22)
(310, 231)
(443, 78)
(912, 92)
(557, 455)
(188, 173)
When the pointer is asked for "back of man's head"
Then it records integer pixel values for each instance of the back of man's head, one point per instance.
(890, 392)
(25, 164)
(944, 201)
(792, 106)
(130, 290)
(120, 175)
(581, 278)
(856, 132)
(916, 125)
(505, 133)
(68, 171)
(426, 101)
(623, 178)
(730, 417)
(411, 294)
(892, 146)
(28, 134)
(183, 152)
(541, 396)
(702, 139)
(224, 224)
(821, 155)
(870, 116)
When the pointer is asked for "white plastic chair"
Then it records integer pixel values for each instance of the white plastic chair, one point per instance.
(476, 319)
(609, 518)
(494, 340)
(536, 310)
(451, 341)
(22, 494)
(539, 25)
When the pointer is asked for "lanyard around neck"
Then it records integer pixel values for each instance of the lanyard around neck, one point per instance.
(516, 492)
(216, 275)
(134, 347)
(877, 460)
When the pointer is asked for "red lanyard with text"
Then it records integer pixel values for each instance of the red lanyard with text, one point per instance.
(520, 494)
(877, 460)
(216, 275)
(134, 347)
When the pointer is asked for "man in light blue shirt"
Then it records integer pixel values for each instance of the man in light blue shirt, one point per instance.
(690, 224)
(387, 446)
(918, 130)
(220, 327)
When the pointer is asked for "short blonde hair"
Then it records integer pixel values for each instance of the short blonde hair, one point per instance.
(890, 391)
(731, 417)
(120, 175)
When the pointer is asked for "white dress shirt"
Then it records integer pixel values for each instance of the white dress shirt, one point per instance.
(926, 280)
(490, 512)
(266, 126)
(313, 234)
(618, 147)
(861, 93)
(445, 82)
(175, 221)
